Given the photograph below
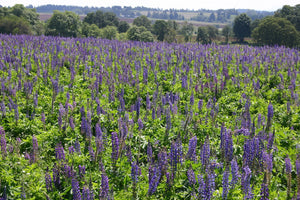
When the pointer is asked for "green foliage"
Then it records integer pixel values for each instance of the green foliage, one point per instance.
(212, 33)
(14, 25)
(109, 32)
(226, 32)
(187, 30)
(123, 27)
(241, 27)
(202, 35)
(142, 21)
(291, 13)
(276, 31)
(139, 33)
(102, 19)
(160, 28)
(91, 30)
(63, 24)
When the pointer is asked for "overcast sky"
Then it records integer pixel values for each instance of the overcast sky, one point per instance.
(269, 5)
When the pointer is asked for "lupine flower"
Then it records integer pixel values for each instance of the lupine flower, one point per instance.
(191, 176)
(77, 146)
(3, 143)
(225, 183)
(135, 172)
(192, 149)
(104, 191)
(128, 153)
(175, 155)
(71, 123)
(59, 152)
(246, 183)
(141, 125)
(115, 146)
(86, 194)
(81, 170)
(270, 111)
(154, 177)
(56, 176)
(76, 190)
(205, 152)
(48, 181)
(234, 173)
(149, 152)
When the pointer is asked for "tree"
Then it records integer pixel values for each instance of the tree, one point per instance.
(15, 25)
(123, 26)
(91, 30)
(290, 13)
(63, 24)
(226, 32)
(142, 21)
(212, 33)
(187, 31)
(139, 33)
(212, 17)
(202, 35)
(160, 28)
(241, 27)
(276, 31)
(102, 19)
(109, 32)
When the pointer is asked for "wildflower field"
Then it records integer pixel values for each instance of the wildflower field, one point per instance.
(84, 118)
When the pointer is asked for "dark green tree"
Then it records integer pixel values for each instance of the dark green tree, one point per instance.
(160, 28)
(212, 17)
(14, 25)
(276, 31)
(123, 27)
(102, 19)
(290, 13)
(142, 21)
(187, 30)
(241, 27)
(202, 35)
(226, 32)
(139, 33)
(91, 30)
(212, 33)
(109, 32)
(63, 24)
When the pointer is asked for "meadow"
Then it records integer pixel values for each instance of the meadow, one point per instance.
(85, 118)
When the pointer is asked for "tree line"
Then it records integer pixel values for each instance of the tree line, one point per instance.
(280, 29)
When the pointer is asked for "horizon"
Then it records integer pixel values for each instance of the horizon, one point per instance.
(268, 5)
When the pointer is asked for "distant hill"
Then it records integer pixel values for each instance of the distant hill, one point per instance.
(201, 15)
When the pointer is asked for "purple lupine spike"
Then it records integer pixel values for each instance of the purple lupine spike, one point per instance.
(48, 181)
(149, 152)
(86, 193)
(288, 168)
(128, 153)
(154, 178)
(3, 143)
(205, 152)
(59, 152)
(81, 170)
(271, 140)
(135, 172)
(56, 176)
(84, 125)
(76, 190)
(234, 173)
(104, 191)
(141, 125)
(91, 153)
(191, 176)
(264, 191)
(210, 184)
(192, 99)
(192, 149)
(71, 150)
(225, 183)
(153, 113)
(270, 111)
(77, 146)
(201, 188)
(115, 146)
(228, 146)
(71, 123)
(163, 160)
(246, 183)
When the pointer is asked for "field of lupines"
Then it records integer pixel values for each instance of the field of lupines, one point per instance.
(98, 119)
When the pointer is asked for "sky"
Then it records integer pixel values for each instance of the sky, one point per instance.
(267, 5)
